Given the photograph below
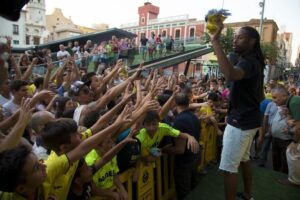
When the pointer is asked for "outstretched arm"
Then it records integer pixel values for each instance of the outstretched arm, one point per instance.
(112, 152)
(230, 72)
(90, 143)
(13, 138)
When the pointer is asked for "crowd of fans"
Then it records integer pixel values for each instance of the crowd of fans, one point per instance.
(102, 55)
(87, 127)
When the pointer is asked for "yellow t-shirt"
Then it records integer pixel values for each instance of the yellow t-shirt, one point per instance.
(15, 196)
(204, 111)
(60, 173)
(147, 142)
(104, 177)
(268, 95)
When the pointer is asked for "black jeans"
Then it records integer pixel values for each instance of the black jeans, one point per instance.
(279, 147)
(185, 178)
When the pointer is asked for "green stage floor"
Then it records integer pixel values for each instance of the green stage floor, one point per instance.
(265, 186)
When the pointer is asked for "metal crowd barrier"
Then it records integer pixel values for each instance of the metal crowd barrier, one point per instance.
(157, 183)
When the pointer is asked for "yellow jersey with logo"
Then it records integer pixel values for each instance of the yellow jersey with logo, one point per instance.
(60, 173)
(104, 177)
(148, 142)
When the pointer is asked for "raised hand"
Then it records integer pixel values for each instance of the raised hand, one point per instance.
(138, 72)
(124, 117)
(219, 27)
(49, 65)
(177, 90)
(25, 111)
(44, 94)
(151, 105)
(129, 137)
(34, 61)
(128, 91)
(119, 64)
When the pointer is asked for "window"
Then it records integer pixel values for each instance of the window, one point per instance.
(36, 40)
(16, 42)
(177, 33)
(164, 33)
(142, 20)
(27, 39)
(192, 32)
(15, 29)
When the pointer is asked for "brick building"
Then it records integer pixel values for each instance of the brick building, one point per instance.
(179, 27)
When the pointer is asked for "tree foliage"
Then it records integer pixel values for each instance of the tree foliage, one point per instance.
(270, 52)
(226, 40)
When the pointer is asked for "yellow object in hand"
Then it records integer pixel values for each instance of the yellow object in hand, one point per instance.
(212, 17)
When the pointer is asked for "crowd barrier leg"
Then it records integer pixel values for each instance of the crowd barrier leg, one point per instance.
(145, 184)
(126, 178)
(164, 170)
(211, 145)
(208, 142)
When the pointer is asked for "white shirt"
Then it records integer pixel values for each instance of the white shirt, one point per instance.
(62, 54)
(9, 108)
(4, 100)
(76, 49)
(40, 152)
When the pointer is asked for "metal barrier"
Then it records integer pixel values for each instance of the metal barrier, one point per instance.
(157, 183)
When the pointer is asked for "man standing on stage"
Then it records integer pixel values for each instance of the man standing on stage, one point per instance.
(244, 69)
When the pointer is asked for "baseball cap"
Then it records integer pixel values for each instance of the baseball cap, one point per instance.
(76, 87)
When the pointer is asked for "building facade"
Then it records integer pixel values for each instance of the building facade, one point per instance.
(61, 27)
(35, 22)
(179, 27)
(15, 30)
(297, 61)
(29, 30)
(284, 43)
(269, 28)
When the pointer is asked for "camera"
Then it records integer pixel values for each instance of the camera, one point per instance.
(37, 53)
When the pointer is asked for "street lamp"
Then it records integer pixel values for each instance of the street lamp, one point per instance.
(262, 5)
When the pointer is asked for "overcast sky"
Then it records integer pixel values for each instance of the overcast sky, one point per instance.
(286, 13)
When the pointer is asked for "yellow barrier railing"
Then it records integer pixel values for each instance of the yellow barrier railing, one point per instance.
(158, 183)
